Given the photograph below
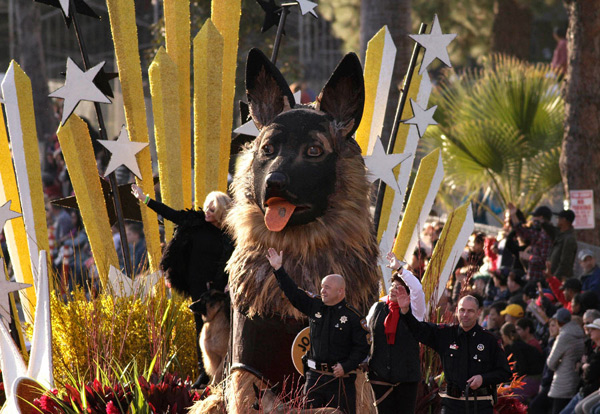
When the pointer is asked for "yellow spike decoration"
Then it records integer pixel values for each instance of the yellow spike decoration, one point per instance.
(165, 105)
(208, 67)
(451, 243)
(177, 36)
(125, 39)
(225, 15)
(76, 144)
(399, 147)
(18, 98)
(14, 230)
(427, 183)
(379, 68)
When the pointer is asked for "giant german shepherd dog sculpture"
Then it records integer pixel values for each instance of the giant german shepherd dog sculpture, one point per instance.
(299, 187)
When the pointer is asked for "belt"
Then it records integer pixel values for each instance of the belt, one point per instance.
(325, 368)
(454, 392)
(442, 394)
(319, 366)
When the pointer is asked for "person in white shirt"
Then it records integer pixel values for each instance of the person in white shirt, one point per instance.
(394, 364)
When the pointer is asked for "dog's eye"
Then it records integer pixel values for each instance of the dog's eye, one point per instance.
(268, 149)
(314, 151)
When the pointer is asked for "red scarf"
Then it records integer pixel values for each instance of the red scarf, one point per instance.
(391, 321)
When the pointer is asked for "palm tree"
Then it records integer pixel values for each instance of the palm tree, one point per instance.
(500, 129)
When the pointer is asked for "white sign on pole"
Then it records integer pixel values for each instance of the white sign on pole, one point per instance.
(582, 204)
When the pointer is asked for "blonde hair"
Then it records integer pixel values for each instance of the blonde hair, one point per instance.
(221, 202)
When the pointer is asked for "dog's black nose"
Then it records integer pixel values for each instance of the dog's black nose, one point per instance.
(276, 181)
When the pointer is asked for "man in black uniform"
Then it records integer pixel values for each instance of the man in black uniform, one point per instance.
(338, 337)
(473, 360)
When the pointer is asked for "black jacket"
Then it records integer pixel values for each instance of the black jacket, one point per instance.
(528, 360)
(591, 373)
(197, 254)
(337, 333)
(392, 363)
(463, 354)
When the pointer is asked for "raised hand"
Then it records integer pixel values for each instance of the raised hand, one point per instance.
(137, 192)
(394, 262)
(274, 258)
(403, 299)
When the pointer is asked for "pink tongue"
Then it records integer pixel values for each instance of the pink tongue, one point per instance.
(278, 213)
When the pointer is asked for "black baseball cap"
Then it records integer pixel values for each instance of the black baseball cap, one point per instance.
(543, 211)
(569, 215)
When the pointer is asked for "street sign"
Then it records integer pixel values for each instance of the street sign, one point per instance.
(582, 204)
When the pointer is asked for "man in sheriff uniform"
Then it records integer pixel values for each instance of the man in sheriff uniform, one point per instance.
(338, 337)
(474, 362)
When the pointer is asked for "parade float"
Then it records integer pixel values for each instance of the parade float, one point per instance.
(128, 346)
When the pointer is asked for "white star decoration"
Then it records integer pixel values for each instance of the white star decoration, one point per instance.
(381, 165)
(5, 288)
(64, 5)
(344, 319)
(307, 7)
(123, 286)
(249, 128)
(435, 45)
(79, 86)
(421, 118)
(7, 214)
(123, 152)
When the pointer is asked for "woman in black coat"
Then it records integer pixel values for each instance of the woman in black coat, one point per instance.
(194, 260)
(528, 361)
(394, 364)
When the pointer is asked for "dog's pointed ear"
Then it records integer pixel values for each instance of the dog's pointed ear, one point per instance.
(268, 92)
(343, 97)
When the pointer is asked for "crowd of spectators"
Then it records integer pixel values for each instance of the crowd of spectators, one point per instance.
(543, 311)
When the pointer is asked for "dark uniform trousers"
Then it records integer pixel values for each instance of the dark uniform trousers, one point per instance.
(328, 391)
(464, 354)
(461, 407)
(338, 334)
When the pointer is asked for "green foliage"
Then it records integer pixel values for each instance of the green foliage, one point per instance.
(472, 20)
(500, 129)
(344, 16)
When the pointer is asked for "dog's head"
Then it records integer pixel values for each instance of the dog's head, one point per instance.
(299, 146)
(211, 302)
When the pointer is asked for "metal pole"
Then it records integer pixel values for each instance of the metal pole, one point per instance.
(112, 178)
(397, 121)
(284, 12)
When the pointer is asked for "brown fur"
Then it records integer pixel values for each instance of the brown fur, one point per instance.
(341, 241)
(213, 404)
(269, 402)
(214, 339)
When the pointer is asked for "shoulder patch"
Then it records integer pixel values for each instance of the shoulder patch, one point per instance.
(363, 323)
(357, 313)
(310, 294)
